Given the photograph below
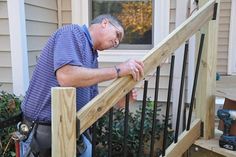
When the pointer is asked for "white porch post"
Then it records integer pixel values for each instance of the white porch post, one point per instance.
(232, 41)
(191, 57)
(19, 56)
(181, 14)
(80, 12)
(161, 20)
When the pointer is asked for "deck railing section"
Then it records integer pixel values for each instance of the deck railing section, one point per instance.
(63, 140)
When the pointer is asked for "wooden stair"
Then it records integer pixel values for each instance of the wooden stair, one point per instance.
(213, 145)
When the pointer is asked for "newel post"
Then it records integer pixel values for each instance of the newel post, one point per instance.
(205, 96)
(63, 121)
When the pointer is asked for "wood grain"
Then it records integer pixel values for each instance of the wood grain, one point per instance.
(63, 122)
(185, 140)
(205, 97)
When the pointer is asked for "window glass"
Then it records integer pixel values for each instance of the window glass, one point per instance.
(135, 16)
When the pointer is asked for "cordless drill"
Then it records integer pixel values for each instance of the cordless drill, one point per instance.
(226, 140)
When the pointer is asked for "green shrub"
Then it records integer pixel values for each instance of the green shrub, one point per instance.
(133, 132)
(9, 106)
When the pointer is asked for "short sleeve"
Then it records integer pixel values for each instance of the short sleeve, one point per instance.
(66, 50)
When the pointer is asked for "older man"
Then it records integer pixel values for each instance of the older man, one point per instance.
(69, 59)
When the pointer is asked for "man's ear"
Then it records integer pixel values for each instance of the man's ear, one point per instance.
(105, 22)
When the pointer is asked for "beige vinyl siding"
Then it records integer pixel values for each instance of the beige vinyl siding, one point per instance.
(223, 36)
(41, 22)
(66, 12)
(5, 53)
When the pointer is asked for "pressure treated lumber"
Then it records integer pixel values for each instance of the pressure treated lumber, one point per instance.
(92, 111)
(185, 140)
(213, 145)
(205, 95)
(197, 151)
(63, 122)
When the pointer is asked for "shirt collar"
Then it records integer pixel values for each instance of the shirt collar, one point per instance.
(87, 34)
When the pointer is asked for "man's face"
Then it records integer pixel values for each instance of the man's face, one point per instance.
(119, 35)
(111, 35)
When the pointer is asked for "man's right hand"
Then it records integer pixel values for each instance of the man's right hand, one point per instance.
(132, 67)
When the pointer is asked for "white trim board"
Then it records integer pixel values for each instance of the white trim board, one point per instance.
(181, 15)
(232, 41)
(19, 56)
(191, 56)
(80, 12)
(161, 20)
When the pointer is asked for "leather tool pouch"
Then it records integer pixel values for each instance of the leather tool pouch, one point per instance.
(41, 141)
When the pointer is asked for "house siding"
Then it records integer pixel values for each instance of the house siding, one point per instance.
(66, 12)
(223, 36)
(5, 50)
(41, 22)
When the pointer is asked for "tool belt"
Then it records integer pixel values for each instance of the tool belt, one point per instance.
(41, 139)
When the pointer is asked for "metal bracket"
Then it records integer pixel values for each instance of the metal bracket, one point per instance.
(77, 128)
(215, 11)
(202, 129)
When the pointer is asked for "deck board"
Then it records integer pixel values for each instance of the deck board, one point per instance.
(213, 145)
(226, 87)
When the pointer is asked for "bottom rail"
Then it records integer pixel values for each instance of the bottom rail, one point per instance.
(186, 139)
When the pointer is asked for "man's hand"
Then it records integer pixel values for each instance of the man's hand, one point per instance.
(132, 67)
(132, 98)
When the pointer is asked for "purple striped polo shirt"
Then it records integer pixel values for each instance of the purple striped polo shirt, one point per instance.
(71, 45)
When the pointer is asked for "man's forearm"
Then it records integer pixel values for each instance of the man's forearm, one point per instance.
(76, 76)
(81, 77)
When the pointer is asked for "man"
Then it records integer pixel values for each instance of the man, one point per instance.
(69, 59)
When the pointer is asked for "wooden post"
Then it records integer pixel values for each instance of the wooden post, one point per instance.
(205, 99)
(63, 122)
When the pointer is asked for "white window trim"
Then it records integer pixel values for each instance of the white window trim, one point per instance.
(232, 39)
(19, 55)
(117, 56)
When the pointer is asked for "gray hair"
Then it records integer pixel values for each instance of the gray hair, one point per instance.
(111, 18)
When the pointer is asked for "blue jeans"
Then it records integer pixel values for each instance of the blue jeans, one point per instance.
(24, 146)
(88, 152)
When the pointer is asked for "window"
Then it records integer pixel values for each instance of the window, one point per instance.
(135, 15)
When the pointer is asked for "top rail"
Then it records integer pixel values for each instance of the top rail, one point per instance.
(98, 106)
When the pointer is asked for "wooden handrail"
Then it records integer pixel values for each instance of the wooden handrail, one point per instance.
(98, 106)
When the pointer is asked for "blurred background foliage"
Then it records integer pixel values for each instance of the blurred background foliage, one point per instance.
(9, 106)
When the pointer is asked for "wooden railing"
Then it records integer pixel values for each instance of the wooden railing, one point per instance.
(64, 121)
